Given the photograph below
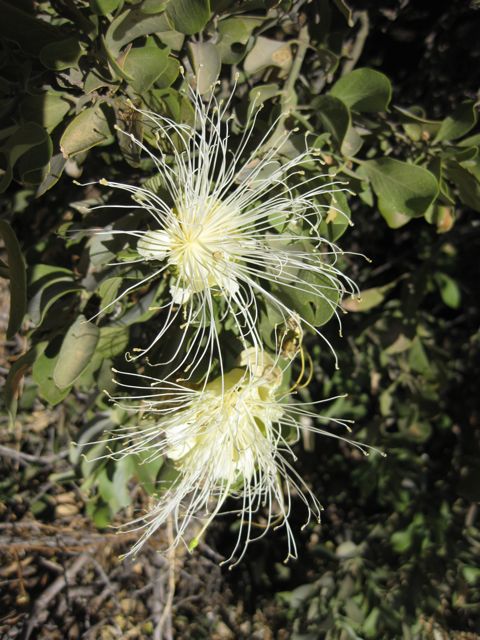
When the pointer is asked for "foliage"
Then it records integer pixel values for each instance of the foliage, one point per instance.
(397, 555)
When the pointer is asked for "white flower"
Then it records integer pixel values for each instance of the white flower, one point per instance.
(215, 232)
(231, 439)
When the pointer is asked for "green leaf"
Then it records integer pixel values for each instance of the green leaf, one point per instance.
(88, 129)
(147, 470)
(27, 153)
(260, 94)
(42, 372)
(468, 186)
(403, 190)
(234, 35)
(77, 349)
(471, 141)
(267, 52)
(47, 109)
(189, 16)
(352, 142)
(337, 217)
(90, 446)
(132, 24)
(145, 65)
(363, 90)
(416, 124)
(41, 273)
(112, 341)
(402, 540)
(141, 311)
(367, 299)
(449, 290)
(459, 123)
(99, 513)
(417, 358)
(176, 105)
(103, 7)
(154, 6)
(333, 115)
(169, 74)
(441, 216)
(61, 55)
(18, 279)
(315, 307)
(206, 65)
(47, 295)
(370, 628)
(53, 175)
(115, 492)
(471, 574)
(108, 290)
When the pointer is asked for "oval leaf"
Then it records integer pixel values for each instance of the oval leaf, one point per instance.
(104, 7)
(403, 190)
(28, 151)
(367, 299)
(267, 52)
(467, 184)
(206, 64)
(85, 131)
(189, 16)
(459, 123)
(42, 372)
(132, 24)
(334, 116)
(47, 109)
(61, 55)
(234, 36)
(145, 65)
(76, 351)
(363, 90)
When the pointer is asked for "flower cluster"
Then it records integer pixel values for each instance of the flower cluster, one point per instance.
(230, 439)
(235, 234)
(214, 231)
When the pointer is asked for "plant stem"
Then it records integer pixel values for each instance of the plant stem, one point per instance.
(289, 97)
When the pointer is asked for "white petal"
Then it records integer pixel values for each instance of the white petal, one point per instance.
(154, 245)
(179, 295)
(228, 284)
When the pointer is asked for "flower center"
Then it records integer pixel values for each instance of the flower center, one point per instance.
(201, 244)
(228, 430)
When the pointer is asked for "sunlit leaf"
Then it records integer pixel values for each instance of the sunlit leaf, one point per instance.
(77, 348)
(88, 129)
(363, 90)
(206, 64)
(188, 16)
(403, 190)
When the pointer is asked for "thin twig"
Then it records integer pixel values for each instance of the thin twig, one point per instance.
(288, 100)
(41, 608)
(27, 458)
(359, 43)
